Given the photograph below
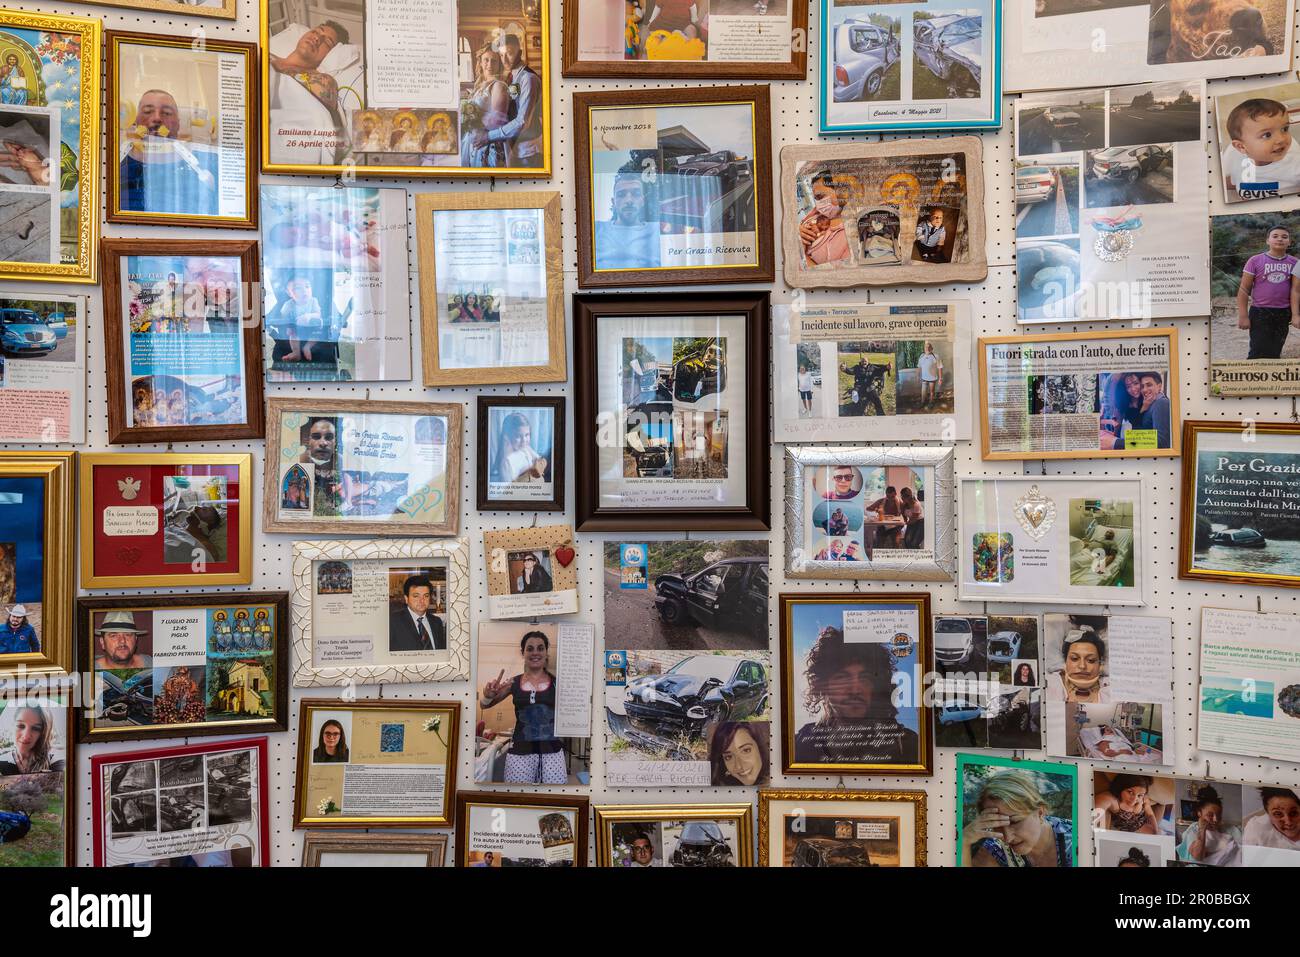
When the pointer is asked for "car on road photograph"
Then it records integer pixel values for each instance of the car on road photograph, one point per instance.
(24, 333)
(1129, 175)
(1034, 184)
(865, 54)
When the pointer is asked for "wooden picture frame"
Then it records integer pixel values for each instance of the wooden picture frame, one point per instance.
(376, 850)
(452, 666)
(126, 801)
(812, 748)
(662, 309)
(247, 682)
(222, 10)
(69, 47)
(793, 29)
(412, 716)
(825, 848)
(504, 801)
(1089, 389)
(751, 164)
(113, 567)
(48, 542)
(740, 816)
(544, 253)
(879, 250)
(118, 317)
(59, 694)
(1267, 450)
(349, 489)
(284, 149)
(115, 41)
(486, 452)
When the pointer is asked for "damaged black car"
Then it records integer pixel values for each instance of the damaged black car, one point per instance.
(730, 594)
(702, 845)
(696, 692)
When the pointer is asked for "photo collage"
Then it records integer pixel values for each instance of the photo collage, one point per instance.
(697, 842)
(688, 692)
(183, 666)
(867, 514)
(991, 695)
(379, 612)
(1107, 194)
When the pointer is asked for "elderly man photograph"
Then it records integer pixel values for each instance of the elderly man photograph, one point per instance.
(117, 643)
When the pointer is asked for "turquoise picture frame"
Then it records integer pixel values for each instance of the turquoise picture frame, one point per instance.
(1051, 769)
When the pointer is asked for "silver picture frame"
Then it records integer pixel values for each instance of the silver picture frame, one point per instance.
(930, 564)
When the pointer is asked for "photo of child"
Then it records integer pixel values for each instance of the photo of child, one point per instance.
(1259, 159)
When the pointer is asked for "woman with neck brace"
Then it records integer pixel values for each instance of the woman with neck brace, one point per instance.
(1082, 677)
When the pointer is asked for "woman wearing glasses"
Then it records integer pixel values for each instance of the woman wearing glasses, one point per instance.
(536, 755)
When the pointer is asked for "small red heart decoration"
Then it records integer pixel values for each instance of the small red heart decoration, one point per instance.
(128, 556)
(564, 555)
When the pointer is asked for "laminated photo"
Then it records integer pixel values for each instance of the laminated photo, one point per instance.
(990, 692)
(1257, 157)
(42, 368)
(1014, 813)
(36, 764)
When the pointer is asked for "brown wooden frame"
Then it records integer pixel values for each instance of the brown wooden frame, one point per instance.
(1172, 391)
(925, 653)
(555, 369)
(245, 250)
(1187, 507)
(279, 720)
(447, 819)
(795, 69)
(486, 403)
(432, 846)
(588, 309)
(323, 405)
(759, 99)
(252, 128)
(577, 802)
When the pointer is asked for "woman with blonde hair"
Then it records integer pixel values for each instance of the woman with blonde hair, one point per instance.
(490, 99)
(1012, 826)
(33, 742)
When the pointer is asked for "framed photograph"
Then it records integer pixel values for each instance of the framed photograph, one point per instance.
(1050, 44)
(1240, 517)
(380, 612)
(647, 159)
(491, 288)
(968, 714)
(1016, 813)
(182, 153)
(531, 726)
(891, 67)
(1254, 350)
(863, 372)
(838, 828)
(520, 453)
(675, 835)
(198, 805)
(356, 465)
(36, 561)
(714, 39)
(38, 771)
(43, 368)
(521, 830)
(877, 513)
(183, 350)
(531, 572)
(49, 119)
(904, 212)
(1080, 395)
(840, 712)
(164, 520)
(222, 9)
(458, 90)
(1111, 204)
(672, 407)
(330, 849)
(1052, 538)
(376, 763)
(184, 665)
(335, 294)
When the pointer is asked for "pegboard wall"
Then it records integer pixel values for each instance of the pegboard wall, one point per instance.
(794, 120)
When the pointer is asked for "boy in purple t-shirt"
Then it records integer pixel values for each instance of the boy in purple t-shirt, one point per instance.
(1265, 301)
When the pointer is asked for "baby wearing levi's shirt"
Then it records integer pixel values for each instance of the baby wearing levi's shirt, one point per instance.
(1262, 149)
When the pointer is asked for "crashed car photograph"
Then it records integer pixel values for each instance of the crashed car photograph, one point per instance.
(697, 692)
(816, 840)
(949, 55)
(700, 844)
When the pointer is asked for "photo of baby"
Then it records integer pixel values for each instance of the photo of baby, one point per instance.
(1257, 156)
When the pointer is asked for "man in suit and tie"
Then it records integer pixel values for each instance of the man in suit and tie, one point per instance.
(414, 626)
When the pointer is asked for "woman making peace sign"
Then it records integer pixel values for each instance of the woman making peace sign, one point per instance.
(536, 755)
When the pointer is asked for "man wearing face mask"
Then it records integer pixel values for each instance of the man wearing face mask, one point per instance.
(627, 240)
(822, 230)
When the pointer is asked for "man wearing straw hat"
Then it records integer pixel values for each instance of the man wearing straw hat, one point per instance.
(16, 634)
(117, 638)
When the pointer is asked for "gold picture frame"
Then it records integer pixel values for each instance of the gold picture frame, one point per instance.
(77, 169)
(144, 466)
(57, 471)
(768, 797)
(114, 42)
(442, 721)
(222, 10)
(1036, 405)
(529, 24)
(555, 369)
(607, 816)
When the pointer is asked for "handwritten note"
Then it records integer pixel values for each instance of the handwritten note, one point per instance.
(130, 521)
